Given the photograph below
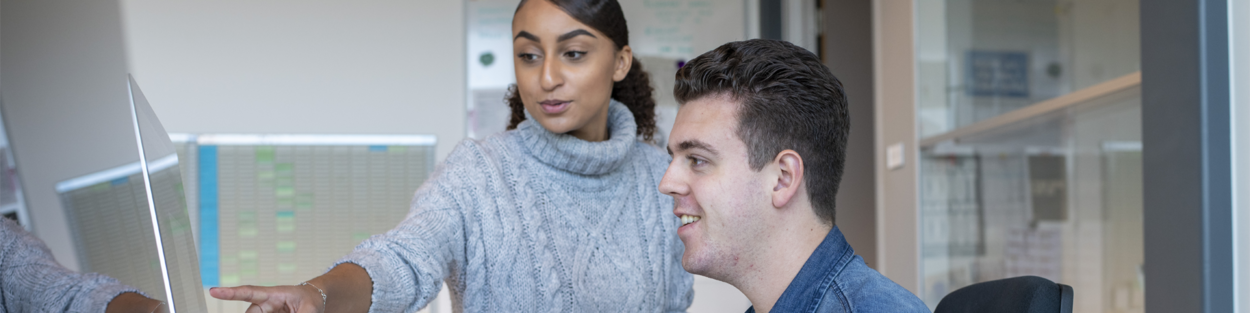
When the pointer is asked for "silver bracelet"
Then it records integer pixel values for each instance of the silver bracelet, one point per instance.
(323, 293)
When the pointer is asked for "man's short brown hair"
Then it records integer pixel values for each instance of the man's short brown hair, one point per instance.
(787, 100)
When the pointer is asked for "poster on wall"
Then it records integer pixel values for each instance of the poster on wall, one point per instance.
(1048, 187)
(489, 62)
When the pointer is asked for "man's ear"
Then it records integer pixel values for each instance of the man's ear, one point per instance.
(789, 177)
(624, 60)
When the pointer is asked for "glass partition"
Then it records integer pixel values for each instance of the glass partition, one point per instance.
(1029, 114)
(1057, 195)
(978, 59)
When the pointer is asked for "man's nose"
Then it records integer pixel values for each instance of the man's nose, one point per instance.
(673, 183)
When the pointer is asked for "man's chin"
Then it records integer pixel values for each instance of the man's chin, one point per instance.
(692, 264)
(690, 268)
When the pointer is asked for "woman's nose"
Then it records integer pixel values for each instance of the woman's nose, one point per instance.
(551, 76)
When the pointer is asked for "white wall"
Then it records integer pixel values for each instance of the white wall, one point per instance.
(894, 96)
(221, 66)
(287, 66)
(65, 103)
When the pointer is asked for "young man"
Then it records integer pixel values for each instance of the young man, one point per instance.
(758, 149)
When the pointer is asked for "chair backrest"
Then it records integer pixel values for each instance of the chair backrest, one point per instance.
(1029, 294)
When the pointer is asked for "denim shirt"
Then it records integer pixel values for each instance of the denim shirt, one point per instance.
(834, 279)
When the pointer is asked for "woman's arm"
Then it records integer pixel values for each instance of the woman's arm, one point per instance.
(131, 302)
(31, 280)
(347, 288)
(403, 269)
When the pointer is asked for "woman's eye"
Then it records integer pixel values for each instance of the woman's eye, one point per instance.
(574, 54)
(527, 56)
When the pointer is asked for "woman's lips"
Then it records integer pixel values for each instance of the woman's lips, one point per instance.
(555, 106)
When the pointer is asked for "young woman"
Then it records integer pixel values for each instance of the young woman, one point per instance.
(561, 213)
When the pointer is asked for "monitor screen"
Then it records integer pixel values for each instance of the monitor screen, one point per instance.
(279, 209)
(275, 209)
(113, 212)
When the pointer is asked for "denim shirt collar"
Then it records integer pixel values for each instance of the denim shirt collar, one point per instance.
(808, 288)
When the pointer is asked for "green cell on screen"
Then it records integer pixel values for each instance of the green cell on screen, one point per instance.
(247, 216)
(285, 221)
(284, 169)
(264, 154)
(286, 246)
(248, 255)
(229, 279)
(287, 267)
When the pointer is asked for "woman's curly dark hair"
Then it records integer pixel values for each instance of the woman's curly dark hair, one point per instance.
(634, 91)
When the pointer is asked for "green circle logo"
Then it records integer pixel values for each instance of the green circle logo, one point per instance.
(487, 58)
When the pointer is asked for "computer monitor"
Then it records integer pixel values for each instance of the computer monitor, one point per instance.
(131, 222)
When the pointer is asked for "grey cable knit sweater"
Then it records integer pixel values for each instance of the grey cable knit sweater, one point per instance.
(533, 221)
(31, 281)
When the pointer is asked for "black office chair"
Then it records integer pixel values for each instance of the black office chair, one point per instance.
(1029, 294)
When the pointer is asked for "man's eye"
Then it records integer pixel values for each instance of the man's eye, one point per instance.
(527, 56)
(574, 54)
(696, 161)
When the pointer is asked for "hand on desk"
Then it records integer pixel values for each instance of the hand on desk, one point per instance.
(279, 299)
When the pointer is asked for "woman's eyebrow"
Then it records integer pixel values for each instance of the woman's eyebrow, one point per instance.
(526, 35)
(575, 33)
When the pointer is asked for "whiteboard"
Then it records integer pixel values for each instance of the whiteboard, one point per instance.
(683, 29)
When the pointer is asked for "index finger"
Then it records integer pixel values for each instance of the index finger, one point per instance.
(242, 293)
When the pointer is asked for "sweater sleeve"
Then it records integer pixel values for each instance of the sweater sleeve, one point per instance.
(409, 263)
(32, 281)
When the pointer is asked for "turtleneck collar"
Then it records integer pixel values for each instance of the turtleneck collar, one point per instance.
(568, 153)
